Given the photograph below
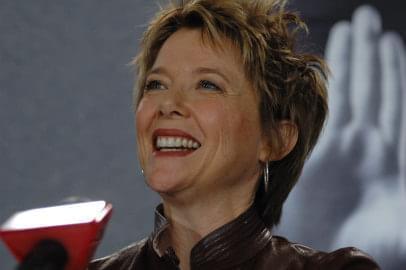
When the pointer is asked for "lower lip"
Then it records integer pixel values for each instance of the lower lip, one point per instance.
(172, 153)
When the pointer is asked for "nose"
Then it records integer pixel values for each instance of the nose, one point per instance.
(173, 105)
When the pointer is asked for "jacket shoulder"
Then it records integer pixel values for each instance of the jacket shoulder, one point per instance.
(122, 259)
(348, 258)
(304, 257)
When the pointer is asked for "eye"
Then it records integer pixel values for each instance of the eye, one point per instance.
(209, 85)
(154, 85)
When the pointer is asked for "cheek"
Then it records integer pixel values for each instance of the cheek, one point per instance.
(230, 123)
(144, 115)
(242, 130)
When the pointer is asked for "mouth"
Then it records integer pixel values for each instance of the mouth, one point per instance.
(174, 141)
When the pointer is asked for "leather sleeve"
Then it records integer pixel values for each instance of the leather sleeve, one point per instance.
(348, 259)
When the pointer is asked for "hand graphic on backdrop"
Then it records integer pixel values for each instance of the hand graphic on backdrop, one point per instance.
(352, 191)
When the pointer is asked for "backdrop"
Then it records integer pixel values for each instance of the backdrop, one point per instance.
(67, 125)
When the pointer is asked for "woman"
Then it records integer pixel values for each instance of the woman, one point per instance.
(226, 113)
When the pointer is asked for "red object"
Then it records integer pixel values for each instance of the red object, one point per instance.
(80, 234)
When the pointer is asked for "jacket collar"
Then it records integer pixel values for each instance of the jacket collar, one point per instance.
(231, 244)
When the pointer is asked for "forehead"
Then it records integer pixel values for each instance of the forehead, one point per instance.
(192, 47)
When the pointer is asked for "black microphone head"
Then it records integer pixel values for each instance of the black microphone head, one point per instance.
(48, 254)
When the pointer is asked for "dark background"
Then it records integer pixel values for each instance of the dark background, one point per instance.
(66, 121)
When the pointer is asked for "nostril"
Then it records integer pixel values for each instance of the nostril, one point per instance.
(170, 113)
(173, 110)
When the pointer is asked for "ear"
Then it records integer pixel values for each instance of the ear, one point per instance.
(281, 142)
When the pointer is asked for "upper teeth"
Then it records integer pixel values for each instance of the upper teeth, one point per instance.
(176, 142)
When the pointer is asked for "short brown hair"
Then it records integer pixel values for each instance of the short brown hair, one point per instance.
(291, 85)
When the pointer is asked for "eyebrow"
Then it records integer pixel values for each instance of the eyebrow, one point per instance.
(200, 70)
(207, 70)
(158, 70)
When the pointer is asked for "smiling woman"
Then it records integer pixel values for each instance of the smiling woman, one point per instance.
(226, 113)
(192, 101)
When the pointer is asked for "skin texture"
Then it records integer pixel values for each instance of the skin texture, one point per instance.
(216, 183)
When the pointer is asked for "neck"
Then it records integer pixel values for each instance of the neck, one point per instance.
(190, 222)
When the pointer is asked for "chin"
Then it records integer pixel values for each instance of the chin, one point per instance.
(165, 183)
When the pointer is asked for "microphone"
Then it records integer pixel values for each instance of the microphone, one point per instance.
(48, 254)
(62, 237)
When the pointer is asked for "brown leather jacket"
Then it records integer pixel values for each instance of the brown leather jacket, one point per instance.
(244, 243)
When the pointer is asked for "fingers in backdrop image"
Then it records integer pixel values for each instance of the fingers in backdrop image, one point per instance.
(356, 172)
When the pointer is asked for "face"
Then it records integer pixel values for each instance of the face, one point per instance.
(198, 126)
